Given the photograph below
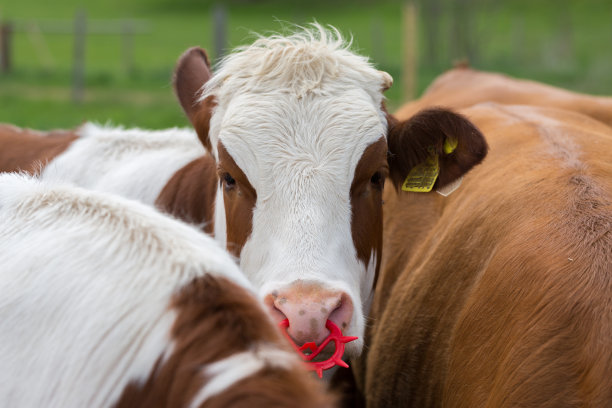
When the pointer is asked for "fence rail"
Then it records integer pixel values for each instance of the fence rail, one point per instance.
(432, 35)
(80, 27)
(94, 26)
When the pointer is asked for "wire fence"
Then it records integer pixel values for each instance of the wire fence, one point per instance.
(431, 36)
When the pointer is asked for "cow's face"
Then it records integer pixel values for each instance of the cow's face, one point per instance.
(301, 186)
(300, 138)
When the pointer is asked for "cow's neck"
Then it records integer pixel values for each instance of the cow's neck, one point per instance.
(190, 194)
(409, 235)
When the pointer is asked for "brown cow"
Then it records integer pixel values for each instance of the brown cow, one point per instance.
(500, 295)
(463, 87)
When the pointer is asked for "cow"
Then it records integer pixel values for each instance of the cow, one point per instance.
(287, 170)
(463, 87)
(106, 302)
(500, 295)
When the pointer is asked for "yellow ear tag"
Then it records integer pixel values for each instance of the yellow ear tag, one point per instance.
(423, 176)
(450, 145)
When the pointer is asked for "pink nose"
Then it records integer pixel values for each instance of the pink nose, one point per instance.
(308, 307)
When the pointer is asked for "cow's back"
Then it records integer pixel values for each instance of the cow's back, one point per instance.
(463, 87)
(132, 163)
(28, 150)
(503, 296)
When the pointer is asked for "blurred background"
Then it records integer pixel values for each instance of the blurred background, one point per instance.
(66, 61)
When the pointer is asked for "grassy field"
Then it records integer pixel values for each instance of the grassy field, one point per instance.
(565, 43)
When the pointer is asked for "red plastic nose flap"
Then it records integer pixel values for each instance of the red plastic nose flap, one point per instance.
(335, 335)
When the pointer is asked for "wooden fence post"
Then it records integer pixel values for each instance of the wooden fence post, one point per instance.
(6, 38)
(463, 32)
(78, 71)
(127, 46)
(409, 50)
(38, 42)
(430, 16)
(378, 42)
(220, 30)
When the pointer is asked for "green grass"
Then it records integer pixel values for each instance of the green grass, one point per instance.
(562, 43)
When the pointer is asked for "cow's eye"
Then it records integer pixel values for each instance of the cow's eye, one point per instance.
(377, 180)
(228, 181)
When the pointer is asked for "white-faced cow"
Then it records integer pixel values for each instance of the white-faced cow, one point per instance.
(105, 302)
(500, 295)
(298, 147)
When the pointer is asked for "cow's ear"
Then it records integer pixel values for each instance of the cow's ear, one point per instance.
(191, 73)
(432, 149)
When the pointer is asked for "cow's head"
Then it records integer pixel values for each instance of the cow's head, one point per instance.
(301, 139)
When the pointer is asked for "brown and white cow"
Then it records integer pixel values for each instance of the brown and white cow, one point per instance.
(106, 302)
(298, 145)
(462, 87)
(500, 295)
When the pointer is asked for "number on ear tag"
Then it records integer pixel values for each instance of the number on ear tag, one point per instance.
(423, 176)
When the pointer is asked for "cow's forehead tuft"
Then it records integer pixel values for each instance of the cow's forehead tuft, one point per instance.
(306, 62)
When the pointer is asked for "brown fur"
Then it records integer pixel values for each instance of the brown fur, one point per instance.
(500, 294)
(215, 319)
(366, 202)
(190, 193)
(29, 150)
(239, 202)
(275, 388)
(344, 384)
(201, 120)
(413, 140)
(463, 87)
(191, 73)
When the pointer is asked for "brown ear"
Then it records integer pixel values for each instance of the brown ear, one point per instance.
(417, 139)
(191, 73)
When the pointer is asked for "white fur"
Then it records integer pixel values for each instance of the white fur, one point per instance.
(85, 285)
(367, 290)
(225, 373)
(133, 163)
(296, 114)
(220, 222)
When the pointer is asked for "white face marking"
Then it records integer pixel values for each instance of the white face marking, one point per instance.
(219, 220)
(367, 290)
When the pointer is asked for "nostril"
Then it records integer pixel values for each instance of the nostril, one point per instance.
(343, 312)
(271, 302)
